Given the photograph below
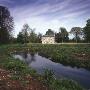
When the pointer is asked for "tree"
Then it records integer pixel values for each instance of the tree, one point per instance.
(39, 37)
(49, 32)
(6, 25)
(25, 33)
(20, 38)
(86, 31)
(33, 36)
(58, 37)
(64, 34)
(77, 32)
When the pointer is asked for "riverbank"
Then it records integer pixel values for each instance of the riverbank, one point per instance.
(15, 74)
(17, 68)
(74, 55)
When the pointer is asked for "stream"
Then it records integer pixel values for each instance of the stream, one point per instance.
(39, 63)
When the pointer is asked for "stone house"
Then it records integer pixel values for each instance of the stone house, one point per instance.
(48, 39)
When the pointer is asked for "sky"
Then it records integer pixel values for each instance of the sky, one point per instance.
(48, 14)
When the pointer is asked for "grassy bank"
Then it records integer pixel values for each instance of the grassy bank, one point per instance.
(73, 55)
(67, 54)
(58, 53)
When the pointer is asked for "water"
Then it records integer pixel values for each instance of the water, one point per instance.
(39, 63)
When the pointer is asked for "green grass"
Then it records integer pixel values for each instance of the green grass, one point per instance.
(67, 54)
(57, 53)
(59, 84)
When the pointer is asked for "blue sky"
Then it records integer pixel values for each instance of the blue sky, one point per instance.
(45, 14)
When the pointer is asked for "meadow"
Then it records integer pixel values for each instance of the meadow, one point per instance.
(73, 55)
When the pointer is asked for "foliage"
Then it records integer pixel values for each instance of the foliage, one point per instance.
(74, 55)
(39, 37)
(76, 31)
(6, 25)
(70, 54)
(20, 38)
(57, 53)
(25, 31)
(33, 36)
(48, 76)
(59, 84)
(49, 32)
(28, 35)
(87, 31)
(62, 36)
(17, 67)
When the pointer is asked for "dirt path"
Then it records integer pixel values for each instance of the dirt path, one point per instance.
(6, 83)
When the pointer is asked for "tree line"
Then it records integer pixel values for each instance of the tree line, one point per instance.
(28, 35)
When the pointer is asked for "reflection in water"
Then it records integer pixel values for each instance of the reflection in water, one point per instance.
(25, 55)
(29, 58)
(39, 63)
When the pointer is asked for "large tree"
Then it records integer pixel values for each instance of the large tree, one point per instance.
(77, 32)
(20, 38)
(58, 37)
(33, 36)
(87, 31)
(25, 32)
(49, 32)
(6, 25)
(62, 35)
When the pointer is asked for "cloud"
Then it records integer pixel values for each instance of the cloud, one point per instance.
(50, 10)
(1, 1)
(6, 2)
(44, 14)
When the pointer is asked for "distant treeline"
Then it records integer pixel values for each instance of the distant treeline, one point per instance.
(28, 35)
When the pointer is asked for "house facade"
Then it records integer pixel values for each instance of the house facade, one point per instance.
(48, 39)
